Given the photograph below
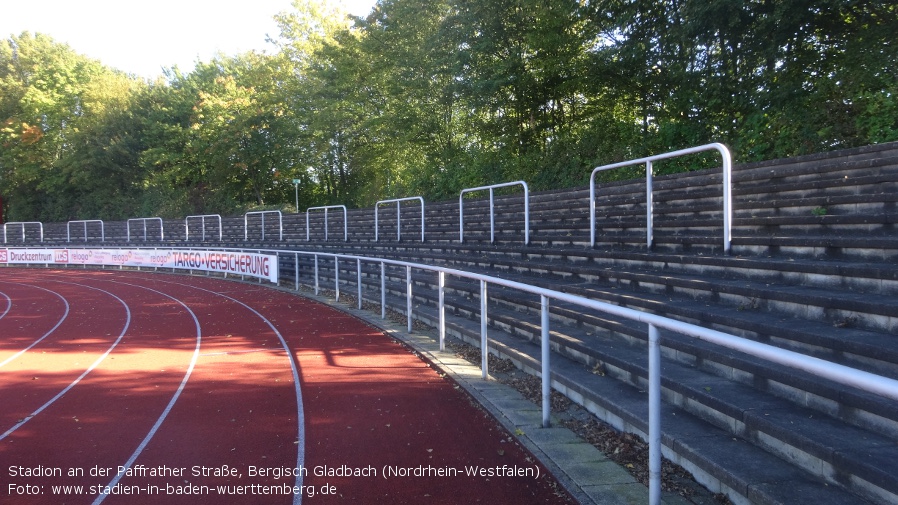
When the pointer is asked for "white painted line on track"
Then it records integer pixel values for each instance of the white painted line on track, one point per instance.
(8, 304)
(64, 316)
(89, 369)
(234, 353)
(171, 403)
(300, 413)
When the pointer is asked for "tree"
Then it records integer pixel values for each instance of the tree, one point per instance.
(53, 104)
(316, 98)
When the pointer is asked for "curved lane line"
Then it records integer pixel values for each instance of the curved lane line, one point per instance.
(300, 413)
(196, 352)
(63, 318)
(89, 369)
(8, 304)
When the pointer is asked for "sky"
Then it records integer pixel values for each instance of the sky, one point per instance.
(142, 37)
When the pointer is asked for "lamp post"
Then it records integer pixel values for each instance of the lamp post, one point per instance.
(296, 187)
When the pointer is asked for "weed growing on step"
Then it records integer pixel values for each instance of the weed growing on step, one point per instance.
(625, 449)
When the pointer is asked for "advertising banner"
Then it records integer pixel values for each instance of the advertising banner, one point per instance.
(262, 266)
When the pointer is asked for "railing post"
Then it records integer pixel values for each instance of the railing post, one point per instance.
(592, 210)
(358, 270)
(442, 309)
(546, 369)
(649, 205)
(383, 291)
(484, 348)
(337, 277)
(461, 218)
(492, 219)
(398, 222)
(296, 271)
(526, 213)
(316, 274)
(654, 416)
(422, 220)
(408, 296)
(727, 167)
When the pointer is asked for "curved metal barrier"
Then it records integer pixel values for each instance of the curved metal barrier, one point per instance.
(262, 214)
(144, 221)
(202, 219)
(727, 189)
(398, 202)
(461, 212)
(85, 222)
(326, 208)
(22, 224)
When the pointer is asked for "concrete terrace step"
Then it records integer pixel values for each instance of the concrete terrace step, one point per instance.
(724, 395)
(818, 458)
(874, 351)
(848, 343)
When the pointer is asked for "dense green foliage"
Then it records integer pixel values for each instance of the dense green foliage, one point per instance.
(426, 98)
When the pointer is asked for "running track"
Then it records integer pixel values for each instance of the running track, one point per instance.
(162, 385)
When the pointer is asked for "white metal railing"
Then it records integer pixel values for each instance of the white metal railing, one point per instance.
(398, 202)
(326, 208)
(842, 374)
(727, 189)
(85, 222)
(461, 214)
(22, 224)
(144, 221)
(262, 214)
(202, 219)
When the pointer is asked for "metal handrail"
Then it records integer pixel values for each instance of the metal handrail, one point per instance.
(398, 216)
(202, 219)
(144, 221)
(842, 374)
(22, 224)
(727, 189)
(326, 208)
(262, 214)
(461, 215)
(68, 235)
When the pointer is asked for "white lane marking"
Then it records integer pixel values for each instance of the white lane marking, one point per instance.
(300, 412)
(89, 369)
(8, 305)
(64, 316)
(196, 352)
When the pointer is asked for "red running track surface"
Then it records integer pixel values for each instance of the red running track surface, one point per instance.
(129, 387)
